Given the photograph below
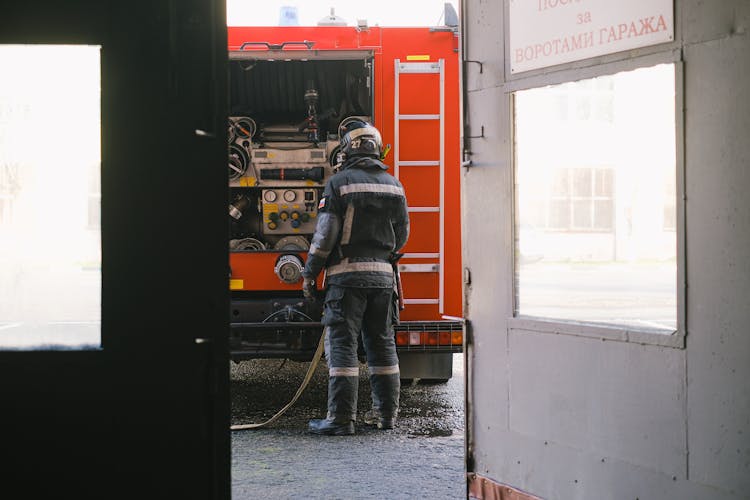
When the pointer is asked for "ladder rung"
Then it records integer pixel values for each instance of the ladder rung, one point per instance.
(419, 163)
(421, 301)
(418, 117)
(415, 67)
(419, 268)
(424, 209)
(421, 256)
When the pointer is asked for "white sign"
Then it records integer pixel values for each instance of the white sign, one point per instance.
(548, 32)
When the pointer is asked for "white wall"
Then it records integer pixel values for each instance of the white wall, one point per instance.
(574, 413)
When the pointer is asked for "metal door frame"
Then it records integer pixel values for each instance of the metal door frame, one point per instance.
(147, 415)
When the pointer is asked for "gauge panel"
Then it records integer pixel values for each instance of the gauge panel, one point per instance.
(290, 211)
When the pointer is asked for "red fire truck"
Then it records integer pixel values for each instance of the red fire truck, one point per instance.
(291, 89)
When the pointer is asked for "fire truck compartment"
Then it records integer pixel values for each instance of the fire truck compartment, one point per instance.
(272, 92)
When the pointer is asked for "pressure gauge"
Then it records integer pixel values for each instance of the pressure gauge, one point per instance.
(269, 196)
(289, 195)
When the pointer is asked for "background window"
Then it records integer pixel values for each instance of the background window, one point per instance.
(596, 200)
(579, 199)
(50, 278)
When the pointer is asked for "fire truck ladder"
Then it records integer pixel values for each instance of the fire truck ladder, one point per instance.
(438, 69)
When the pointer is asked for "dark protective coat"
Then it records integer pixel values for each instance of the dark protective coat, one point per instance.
(362, 221)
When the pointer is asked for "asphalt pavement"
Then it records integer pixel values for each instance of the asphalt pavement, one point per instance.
(423, 457)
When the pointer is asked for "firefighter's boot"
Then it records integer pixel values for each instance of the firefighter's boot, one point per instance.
(328, 427)
(385, 399)
(374, 418)
(342, 407)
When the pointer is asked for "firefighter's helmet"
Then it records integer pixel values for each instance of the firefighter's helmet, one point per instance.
(359, 138)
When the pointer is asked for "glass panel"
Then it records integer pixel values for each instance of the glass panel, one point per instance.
(50, 271)
(603, 186)
(559, 214)
(608, 253)
(583, 108)
(603, 110)
(582, 182)
(536, 215)
(561, 184)
(582, 214)
(603, 214)
(561, 106)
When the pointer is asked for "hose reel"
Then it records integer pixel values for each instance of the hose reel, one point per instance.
(240, 132)
(246, 244)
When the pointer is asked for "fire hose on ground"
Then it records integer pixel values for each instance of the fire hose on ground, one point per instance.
(305, 381)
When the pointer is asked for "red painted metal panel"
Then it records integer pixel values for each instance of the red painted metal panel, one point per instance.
(255, 271)
(420, 285)
(424, 236)
(422, 185)
(420, 312)
(419, 94)
(419, 141)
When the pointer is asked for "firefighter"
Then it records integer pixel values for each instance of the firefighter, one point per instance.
(362, 223)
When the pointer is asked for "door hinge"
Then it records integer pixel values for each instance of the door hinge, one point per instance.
(467, 276)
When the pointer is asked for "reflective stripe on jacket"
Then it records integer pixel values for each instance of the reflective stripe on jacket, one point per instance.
(362, 220)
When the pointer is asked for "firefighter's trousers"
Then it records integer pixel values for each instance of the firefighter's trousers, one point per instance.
(349, 311)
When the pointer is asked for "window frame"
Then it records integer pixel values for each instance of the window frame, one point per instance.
(641, 335)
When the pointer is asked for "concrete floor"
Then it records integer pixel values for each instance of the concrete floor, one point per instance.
(422, 458)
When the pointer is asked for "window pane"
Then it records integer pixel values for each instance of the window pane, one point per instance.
(583, 108)
(559, 215)
(608, 254)
(603, 214)
(50, 278)
(604, 108)
(603, 185)
(582, 182)
(582, 214)
(536, 213)
(561, 184)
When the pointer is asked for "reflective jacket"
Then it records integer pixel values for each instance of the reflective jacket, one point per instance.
(362, 221)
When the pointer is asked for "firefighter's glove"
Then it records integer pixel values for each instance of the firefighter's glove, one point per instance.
(308, 289)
